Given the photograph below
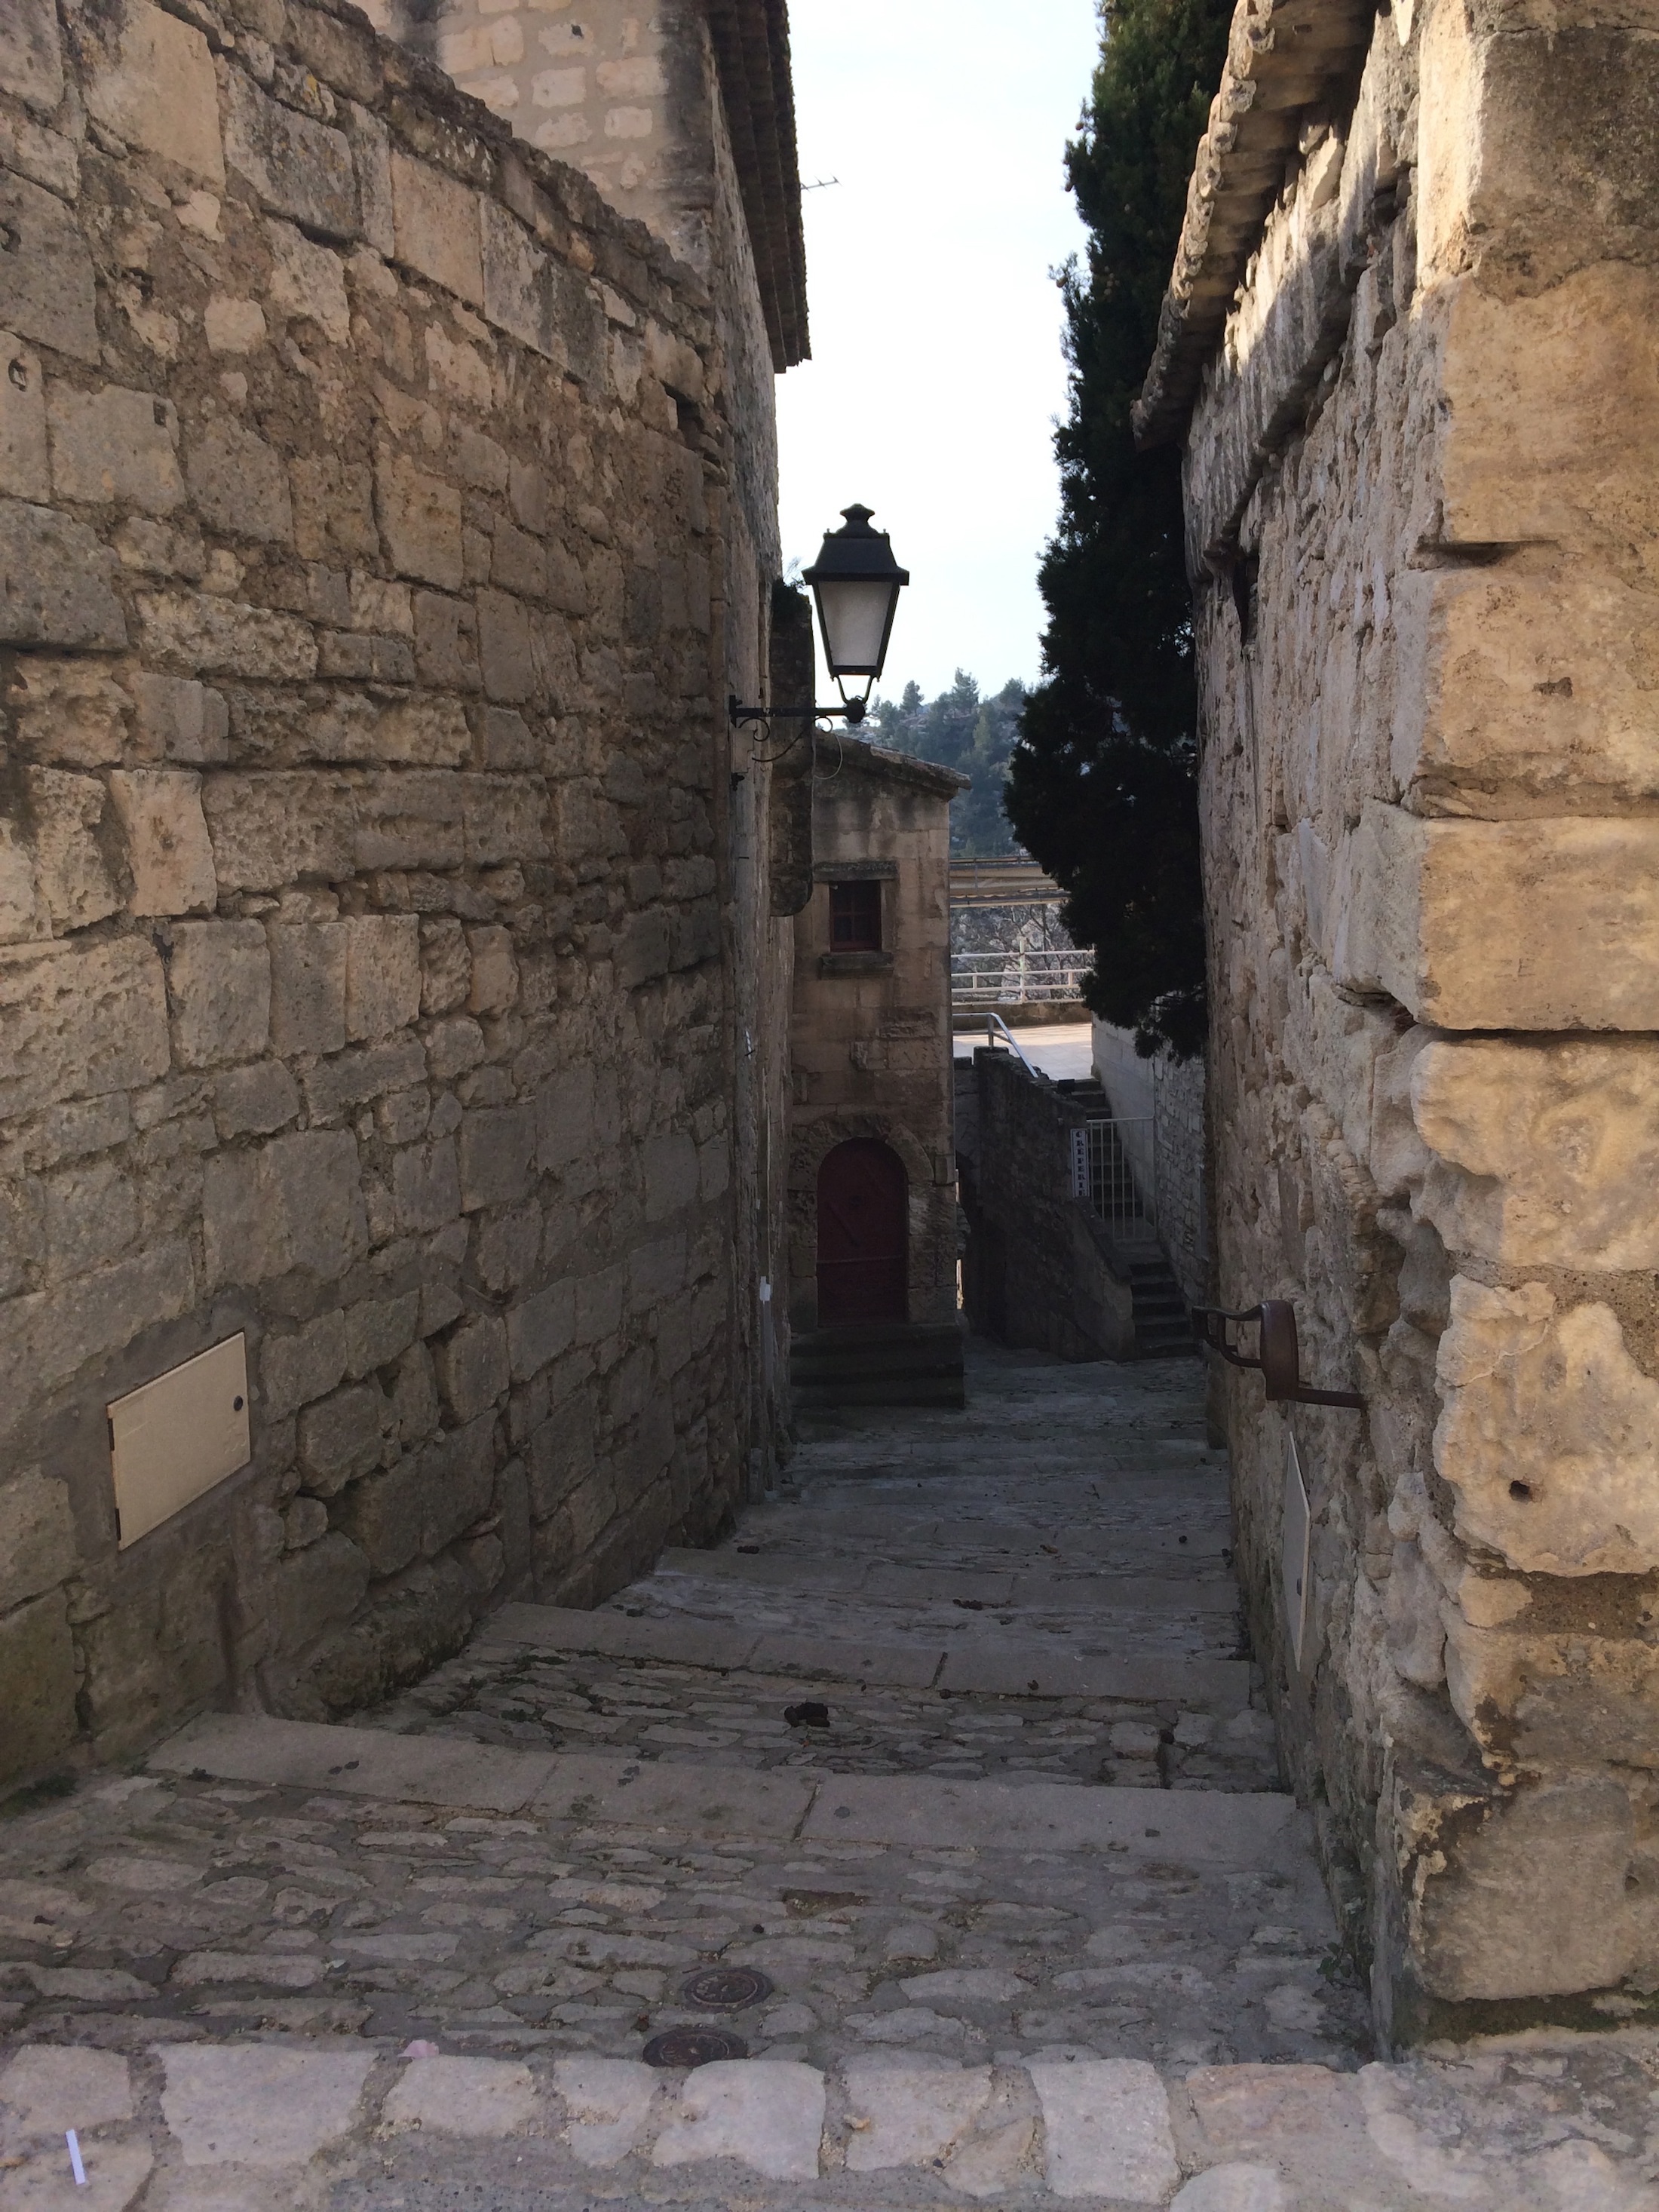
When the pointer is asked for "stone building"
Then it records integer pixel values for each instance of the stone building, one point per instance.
(1408, 345)
(385, 920)
(873, 1243)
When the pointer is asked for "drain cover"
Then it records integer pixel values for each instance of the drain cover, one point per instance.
(694, 2047)
(725, 1988)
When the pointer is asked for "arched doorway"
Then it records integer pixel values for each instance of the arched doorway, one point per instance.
(863, 1218)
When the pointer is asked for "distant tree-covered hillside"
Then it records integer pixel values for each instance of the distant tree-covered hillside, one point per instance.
(974, 736)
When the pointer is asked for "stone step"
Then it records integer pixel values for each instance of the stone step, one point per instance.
(263, 2124)
(1218, 1686)
(1124, 1632)
(266, 1878)
(916, 1366)
(1079, 1592)
(676, 1688)
(1213, 1828)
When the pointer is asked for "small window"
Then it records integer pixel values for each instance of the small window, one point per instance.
(855, 917)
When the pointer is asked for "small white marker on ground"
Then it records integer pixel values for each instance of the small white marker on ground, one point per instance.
(75, 2167)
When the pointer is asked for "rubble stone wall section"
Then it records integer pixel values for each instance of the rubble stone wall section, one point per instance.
(363, 839)
(1422, 515)
(1037, 1270)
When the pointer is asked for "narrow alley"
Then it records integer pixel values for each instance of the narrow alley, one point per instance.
(941, 1787)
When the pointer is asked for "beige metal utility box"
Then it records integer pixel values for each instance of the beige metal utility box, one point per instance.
(175, 1438)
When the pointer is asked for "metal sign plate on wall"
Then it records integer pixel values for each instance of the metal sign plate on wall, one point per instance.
(173, 1439)
(1079, 1163)
(1293, 1549)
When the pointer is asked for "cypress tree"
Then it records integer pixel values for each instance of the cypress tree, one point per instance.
(1102, 783)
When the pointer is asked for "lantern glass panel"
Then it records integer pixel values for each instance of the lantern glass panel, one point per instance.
(854, 617)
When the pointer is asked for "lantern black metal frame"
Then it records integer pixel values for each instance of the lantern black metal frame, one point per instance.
(854, 554)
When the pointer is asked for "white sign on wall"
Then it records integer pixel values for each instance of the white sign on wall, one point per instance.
(1079, 1163)
(1293, 1549)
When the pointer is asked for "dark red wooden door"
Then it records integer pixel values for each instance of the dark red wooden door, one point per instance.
(863, 1234)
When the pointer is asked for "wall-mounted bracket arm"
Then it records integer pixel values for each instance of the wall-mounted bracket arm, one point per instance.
(1278, 1355)
(852, 712)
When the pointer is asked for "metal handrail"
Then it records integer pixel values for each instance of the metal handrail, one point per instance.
(1278, 1357)
(993, 1024)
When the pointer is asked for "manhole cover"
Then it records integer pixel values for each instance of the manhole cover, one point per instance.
(725, 1988)
(694, 2047)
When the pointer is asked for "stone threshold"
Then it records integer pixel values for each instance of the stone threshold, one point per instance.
(1241, 1831)
(262, 2124)
(1216, 1685)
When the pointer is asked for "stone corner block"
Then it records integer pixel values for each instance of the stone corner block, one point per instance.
(1541, 924)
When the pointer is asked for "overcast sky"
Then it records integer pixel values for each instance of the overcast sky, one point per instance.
(936, 370)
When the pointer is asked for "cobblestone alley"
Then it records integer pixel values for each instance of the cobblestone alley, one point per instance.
(942, 1788)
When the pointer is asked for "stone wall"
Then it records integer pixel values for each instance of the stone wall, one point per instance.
(675, 113)
(1421, 514)
(371, 915)
(1038, 1270)
(1158, 1105)
(869, 1033)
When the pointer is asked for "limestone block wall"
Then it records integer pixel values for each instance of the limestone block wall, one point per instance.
(1422, 518)
(368, 959)
(682, 117)
(870, 1032)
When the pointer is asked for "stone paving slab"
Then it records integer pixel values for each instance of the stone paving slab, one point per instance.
(1546, 2125)
(1202, 1827)
(358, 1762)
(1218, 1686)
(1123, 1631)
(1194, 1735)
(704, 1644)
(706, 1799)
(700, 1800)
(152, 1908)
(562, 1628)
(897, 1666)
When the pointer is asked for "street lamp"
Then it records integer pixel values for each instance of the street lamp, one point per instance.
(856, 582)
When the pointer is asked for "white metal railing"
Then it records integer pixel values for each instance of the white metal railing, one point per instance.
(1102, 1173)
(1000, 1038)
(1016, 979)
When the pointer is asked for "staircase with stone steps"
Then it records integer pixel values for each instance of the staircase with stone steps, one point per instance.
(1164, 1328)
(908, 1363)
(1019, 1916)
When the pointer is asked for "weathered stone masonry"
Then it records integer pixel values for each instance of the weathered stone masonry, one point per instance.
(1412, 324)
(364, 978)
